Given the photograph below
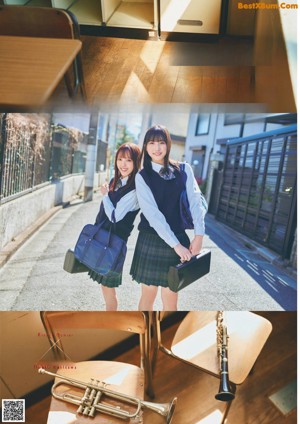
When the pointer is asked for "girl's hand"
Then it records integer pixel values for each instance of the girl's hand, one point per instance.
(104, 189)
(196, 245)
(183, 252)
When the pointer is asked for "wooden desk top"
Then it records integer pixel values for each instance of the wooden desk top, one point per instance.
(31, 68)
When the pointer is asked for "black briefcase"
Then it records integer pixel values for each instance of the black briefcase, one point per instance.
(72, 265)
(184, 274)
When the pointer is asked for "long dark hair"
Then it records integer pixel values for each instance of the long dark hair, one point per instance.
(157, 132)
(127, 150)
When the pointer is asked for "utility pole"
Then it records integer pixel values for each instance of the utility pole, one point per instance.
(113, 123)
(91, 158)
(146, 124)
(3, 140)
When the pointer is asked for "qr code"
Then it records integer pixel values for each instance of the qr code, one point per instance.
(13, 410)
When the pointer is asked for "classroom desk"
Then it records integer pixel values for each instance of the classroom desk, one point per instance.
(31, 68)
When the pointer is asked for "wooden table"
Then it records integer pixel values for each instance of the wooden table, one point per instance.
(31, 68)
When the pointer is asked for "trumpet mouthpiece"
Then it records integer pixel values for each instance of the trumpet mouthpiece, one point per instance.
(41, 370)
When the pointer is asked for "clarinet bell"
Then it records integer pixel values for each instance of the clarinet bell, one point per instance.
(225, 394)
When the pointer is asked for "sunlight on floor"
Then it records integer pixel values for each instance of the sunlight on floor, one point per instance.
(213, 418)
(134, 90)
(151, 54)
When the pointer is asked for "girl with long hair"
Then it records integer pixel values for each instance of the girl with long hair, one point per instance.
(119, 196)
(162, 241)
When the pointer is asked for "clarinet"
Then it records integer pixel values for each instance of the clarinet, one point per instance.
(225, 393)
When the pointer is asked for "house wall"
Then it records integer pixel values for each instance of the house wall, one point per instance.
(18, 214)
(219, 130)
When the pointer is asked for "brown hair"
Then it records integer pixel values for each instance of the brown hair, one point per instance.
(127, 150)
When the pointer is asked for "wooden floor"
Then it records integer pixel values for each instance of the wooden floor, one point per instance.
(147, 71)
(275, 368)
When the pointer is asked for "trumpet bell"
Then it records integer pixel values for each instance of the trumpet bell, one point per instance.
(172, 406)
(164, 409)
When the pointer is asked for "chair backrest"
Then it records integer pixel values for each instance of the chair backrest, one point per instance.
(195, 341)
(30, 21)
(132, 322)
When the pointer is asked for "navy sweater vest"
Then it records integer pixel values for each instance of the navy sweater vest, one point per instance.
(166, 194)
(125, 226)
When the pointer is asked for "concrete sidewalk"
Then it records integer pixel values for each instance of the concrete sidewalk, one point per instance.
(240, 278)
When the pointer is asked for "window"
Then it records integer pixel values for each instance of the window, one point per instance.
(197, 163)
(234, 118)
(203, 122)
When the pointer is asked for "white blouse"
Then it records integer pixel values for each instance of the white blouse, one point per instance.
(155, 217)
(127, 203)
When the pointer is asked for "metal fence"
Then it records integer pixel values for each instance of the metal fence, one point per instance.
(25, 153)
(33, 152)
(259, 188)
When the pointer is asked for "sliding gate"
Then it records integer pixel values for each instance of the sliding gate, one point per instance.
(258, 190)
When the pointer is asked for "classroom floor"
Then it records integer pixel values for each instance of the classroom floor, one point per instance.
(155, 71)
(274, 370)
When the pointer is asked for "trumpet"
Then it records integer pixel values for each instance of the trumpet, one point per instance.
(225, 393)
(90, 403)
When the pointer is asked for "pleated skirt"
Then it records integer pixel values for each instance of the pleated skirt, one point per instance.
(153, 257)
(111, 280)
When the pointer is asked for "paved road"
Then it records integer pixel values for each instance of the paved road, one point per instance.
(240, 279)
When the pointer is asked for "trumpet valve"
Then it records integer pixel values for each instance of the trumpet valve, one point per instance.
(95, 402)
(92, 412)
(80, 409)
(84, 403)
(86, 410)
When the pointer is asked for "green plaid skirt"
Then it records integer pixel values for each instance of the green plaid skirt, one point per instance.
(153, 257)
(112, 279)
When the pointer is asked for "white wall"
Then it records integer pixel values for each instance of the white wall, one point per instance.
(17, 215)
(177, 151)
(218, 130)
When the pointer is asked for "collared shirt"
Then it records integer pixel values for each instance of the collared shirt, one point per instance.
(127, 203)
(155, 217)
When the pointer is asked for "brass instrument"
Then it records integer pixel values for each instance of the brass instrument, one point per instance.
(89, 403)
(225, 393)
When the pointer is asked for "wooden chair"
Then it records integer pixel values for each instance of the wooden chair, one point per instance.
(46, 22)
(195, 343)
(129, 378)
